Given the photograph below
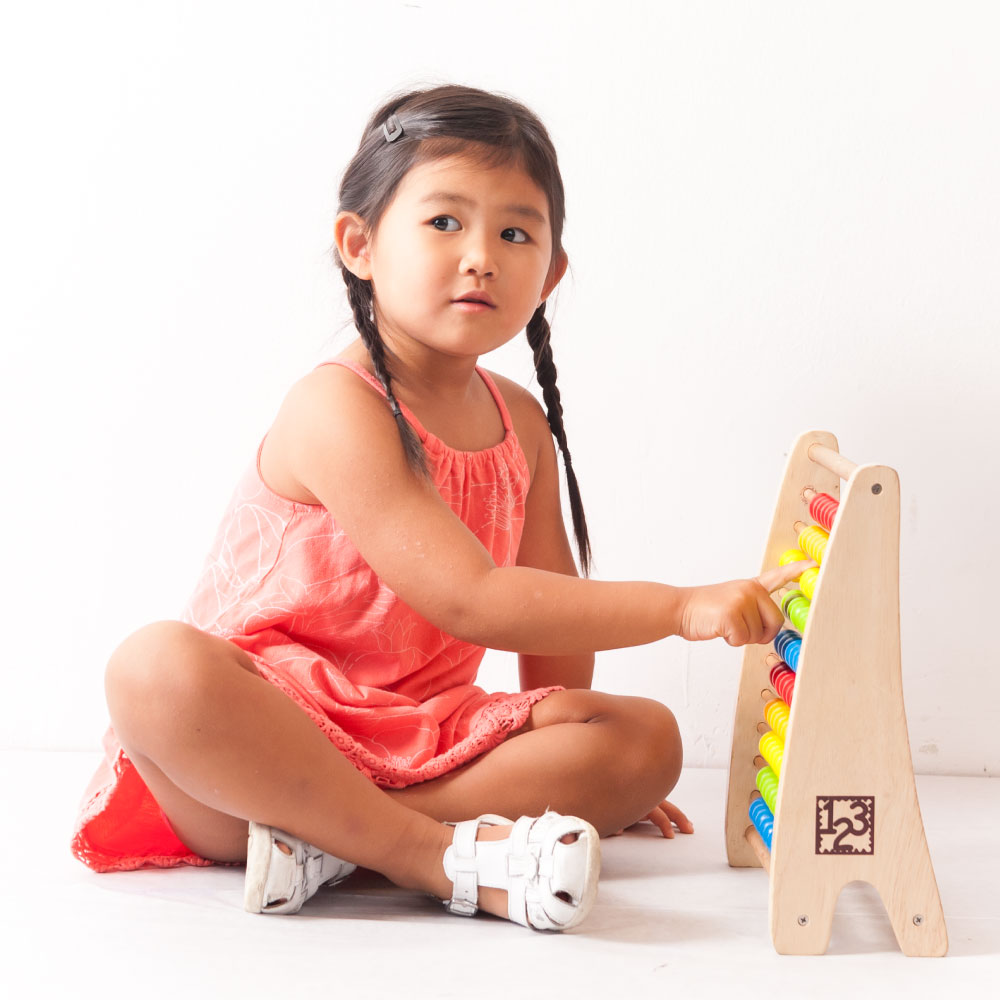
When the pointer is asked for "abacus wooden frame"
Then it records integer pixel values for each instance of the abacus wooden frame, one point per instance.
(847, 730)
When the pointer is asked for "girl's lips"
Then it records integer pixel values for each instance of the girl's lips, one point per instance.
(476, 295)
(472, 306)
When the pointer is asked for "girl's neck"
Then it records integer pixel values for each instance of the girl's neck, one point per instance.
(422, 374)
(451, 401)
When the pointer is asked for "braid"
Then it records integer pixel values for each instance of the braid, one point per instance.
(539, 335)
(359, 294)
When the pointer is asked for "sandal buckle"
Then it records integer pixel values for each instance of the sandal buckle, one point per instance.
(462, 907)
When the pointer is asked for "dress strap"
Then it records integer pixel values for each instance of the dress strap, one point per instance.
(498, 399)
(508, 425)
(411, 417)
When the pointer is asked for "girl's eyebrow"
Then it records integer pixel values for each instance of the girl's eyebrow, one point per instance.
(525, 211)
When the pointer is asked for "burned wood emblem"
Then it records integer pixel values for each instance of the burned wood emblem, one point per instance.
(845, 824)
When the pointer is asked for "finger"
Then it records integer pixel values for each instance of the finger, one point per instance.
(678, 818)
(663, 821)
(737, 632)
(755, 627)
(778, 577)
(773, 618)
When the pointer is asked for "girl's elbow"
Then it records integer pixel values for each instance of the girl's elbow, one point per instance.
(477, 626)
(477, 618)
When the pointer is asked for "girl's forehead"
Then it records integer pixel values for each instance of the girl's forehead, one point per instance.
(462, 175)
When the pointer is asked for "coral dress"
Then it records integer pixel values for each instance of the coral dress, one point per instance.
(392, 692)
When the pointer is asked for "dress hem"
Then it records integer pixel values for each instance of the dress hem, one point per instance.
(98, 805)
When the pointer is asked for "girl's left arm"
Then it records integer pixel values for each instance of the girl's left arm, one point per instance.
(545, 545)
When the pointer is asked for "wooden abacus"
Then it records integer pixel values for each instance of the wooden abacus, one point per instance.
(846, 806)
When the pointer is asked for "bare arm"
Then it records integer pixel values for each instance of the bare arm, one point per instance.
(544, 545)
(347, 452)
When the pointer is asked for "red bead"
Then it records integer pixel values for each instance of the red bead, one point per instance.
(823, 509)
(783, 682)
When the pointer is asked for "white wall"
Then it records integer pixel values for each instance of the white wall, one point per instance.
(781, 216)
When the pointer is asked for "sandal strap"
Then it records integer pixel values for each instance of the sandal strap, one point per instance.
(463, 862)
(523, 865)
(274, 875)
(531, 864)
(465, 890)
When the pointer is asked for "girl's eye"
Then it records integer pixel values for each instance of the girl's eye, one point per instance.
(441, 223)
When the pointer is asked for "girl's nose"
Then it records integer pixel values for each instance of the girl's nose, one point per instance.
(477, 259)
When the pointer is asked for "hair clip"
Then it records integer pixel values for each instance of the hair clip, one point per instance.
(392, 129)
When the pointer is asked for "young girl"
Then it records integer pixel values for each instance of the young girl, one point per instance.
(403, 514)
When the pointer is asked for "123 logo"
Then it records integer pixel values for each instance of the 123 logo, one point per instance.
(845, 824)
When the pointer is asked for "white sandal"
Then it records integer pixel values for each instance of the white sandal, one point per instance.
(277, 882)
(550, 885)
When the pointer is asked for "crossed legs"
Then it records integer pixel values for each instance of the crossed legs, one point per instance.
(217, 745)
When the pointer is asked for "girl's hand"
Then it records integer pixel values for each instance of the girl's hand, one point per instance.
(740, 611)
(666, 816)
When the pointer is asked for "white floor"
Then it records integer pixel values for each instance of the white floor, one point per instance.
(671, 917)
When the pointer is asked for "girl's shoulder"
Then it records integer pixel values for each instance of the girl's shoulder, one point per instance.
(336, 396)
(328, 396)
(517, 397)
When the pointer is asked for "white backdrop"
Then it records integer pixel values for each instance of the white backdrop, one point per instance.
(781, 216)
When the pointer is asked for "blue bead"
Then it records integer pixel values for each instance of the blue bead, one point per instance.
(763, 820)
(788, 645)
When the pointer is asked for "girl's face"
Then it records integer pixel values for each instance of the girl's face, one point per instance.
(455, 228)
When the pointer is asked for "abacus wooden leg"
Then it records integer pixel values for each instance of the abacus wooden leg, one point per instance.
(910, 894)
(801, 915)
(803, 897)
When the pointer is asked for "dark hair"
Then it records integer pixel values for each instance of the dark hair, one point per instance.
(492, 130)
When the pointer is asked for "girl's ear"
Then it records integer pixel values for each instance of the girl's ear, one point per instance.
(556, 271)
(353, 241)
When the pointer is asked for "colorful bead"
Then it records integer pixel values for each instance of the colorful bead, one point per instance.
(777, 715)
(812, 541)
(772, 750)
(763, 820)
(783, 681)
(823, 509)
(788, 645)
(767, 785)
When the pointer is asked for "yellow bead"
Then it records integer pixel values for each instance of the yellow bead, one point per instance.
(790, 556)
(772, 750)
(813, 540)
(776, 713)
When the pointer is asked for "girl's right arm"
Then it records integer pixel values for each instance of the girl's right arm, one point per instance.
(343, 446)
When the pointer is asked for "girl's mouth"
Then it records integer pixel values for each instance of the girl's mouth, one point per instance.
(472, 306)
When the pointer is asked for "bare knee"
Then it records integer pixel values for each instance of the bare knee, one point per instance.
(162, 680)
(647, 740)
(654, 748)
(158, 673)
(142, 659)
